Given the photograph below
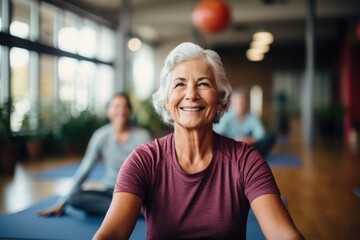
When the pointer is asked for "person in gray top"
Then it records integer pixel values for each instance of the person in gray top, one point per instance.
(113, 142)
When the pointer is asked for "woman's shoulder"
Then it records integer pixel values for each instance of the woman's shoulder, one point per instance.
(102, 131)
(233, 149)
(158, 143)
(155, 148)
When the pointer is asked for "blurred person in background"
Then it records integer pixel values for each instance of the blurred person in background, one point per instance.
(242, 125)
(112, 142)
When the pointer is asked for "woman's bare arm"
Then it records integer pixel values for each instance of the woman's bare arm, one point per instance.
(121, 217)
(274, 219)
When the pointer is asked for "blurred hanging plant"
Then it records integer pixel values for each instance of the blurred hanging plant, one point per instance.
(144, 115)
(8, 145)
(76, 130)
(5, 126)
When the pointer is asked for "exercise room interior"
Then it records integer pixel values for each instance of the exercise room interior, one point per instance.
(304, 87)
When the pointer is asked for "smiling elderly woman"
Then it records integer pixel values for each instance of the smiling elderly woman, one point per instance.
(194, 183)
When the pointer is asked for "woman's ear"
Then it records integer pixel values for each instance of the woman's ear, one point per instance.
(218, 107)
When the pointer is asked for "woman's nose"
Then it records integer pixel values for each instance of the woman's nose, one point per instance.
(191, 93)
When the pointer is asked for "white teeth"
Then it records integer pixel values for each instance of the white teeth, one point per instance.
(191, 109)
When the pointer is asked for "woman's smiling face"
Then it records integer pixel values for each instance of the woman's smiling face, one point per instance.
(118, 111)
(193, 94)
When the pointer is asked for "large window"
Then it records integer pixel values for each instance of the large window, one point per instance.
(68, 61)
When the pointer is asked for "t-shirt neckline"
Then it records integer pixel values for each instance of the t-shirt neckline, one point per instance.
(200, 174)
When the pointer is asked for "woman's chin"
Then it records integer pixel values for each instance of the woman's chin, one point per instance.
(192, 126)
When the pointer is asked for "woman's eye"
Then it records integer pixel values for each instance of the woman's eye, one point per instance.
(204, 84)
(180, 84)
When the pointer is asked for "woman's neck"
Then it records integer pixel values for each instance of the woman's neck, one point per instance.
(194, 148)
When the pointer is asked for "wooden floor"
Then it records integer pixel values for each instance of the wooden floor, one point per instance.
(320, 194)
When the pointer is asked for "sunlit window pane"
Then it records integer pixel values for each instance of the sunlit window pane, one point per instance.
(47, 74)
(68, 39)
(143, 72)
(87, 43)
(106, 46)
(67, 68)
(19, 64)
(84, 83)
(20, 23)
(48, 15)
(104, 87)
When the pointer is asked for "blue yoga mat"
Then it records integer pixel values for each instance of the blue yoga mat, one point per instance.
(68, 171)
(274, 160)
(75, 225)
(283, 160)
(72, 225)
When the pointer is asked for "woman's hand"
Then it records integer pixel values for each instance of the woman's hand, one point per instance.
(56, 210)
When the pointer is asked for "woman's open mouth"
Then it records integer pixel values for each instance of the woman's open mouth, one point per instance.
(192, 109)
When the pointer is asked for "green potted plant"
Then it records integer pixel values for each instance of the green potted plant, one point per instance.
(75, 131)
(144, 115)
(35, 138)
(8, 146)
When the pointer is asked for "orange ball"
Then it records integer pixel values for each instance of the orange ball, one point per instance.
(211, 16)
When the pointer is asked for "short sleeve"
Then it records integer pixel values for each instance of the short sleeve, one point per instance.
(258, 178)
(135, 175)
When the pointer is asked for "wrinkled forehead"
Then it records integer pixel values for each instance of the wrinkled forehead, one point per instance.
(195, 67)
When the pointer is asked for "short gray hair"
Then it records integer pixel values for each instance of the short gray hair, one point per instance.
(182, 53)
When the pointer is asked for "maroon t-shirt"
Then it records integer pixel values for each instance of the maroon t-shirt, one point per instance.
(213, 203)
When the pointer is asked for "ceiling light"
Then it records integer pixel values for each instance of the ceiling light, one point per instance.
(134, 44)
(260, 46)
(265, 37)
(254, 55)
